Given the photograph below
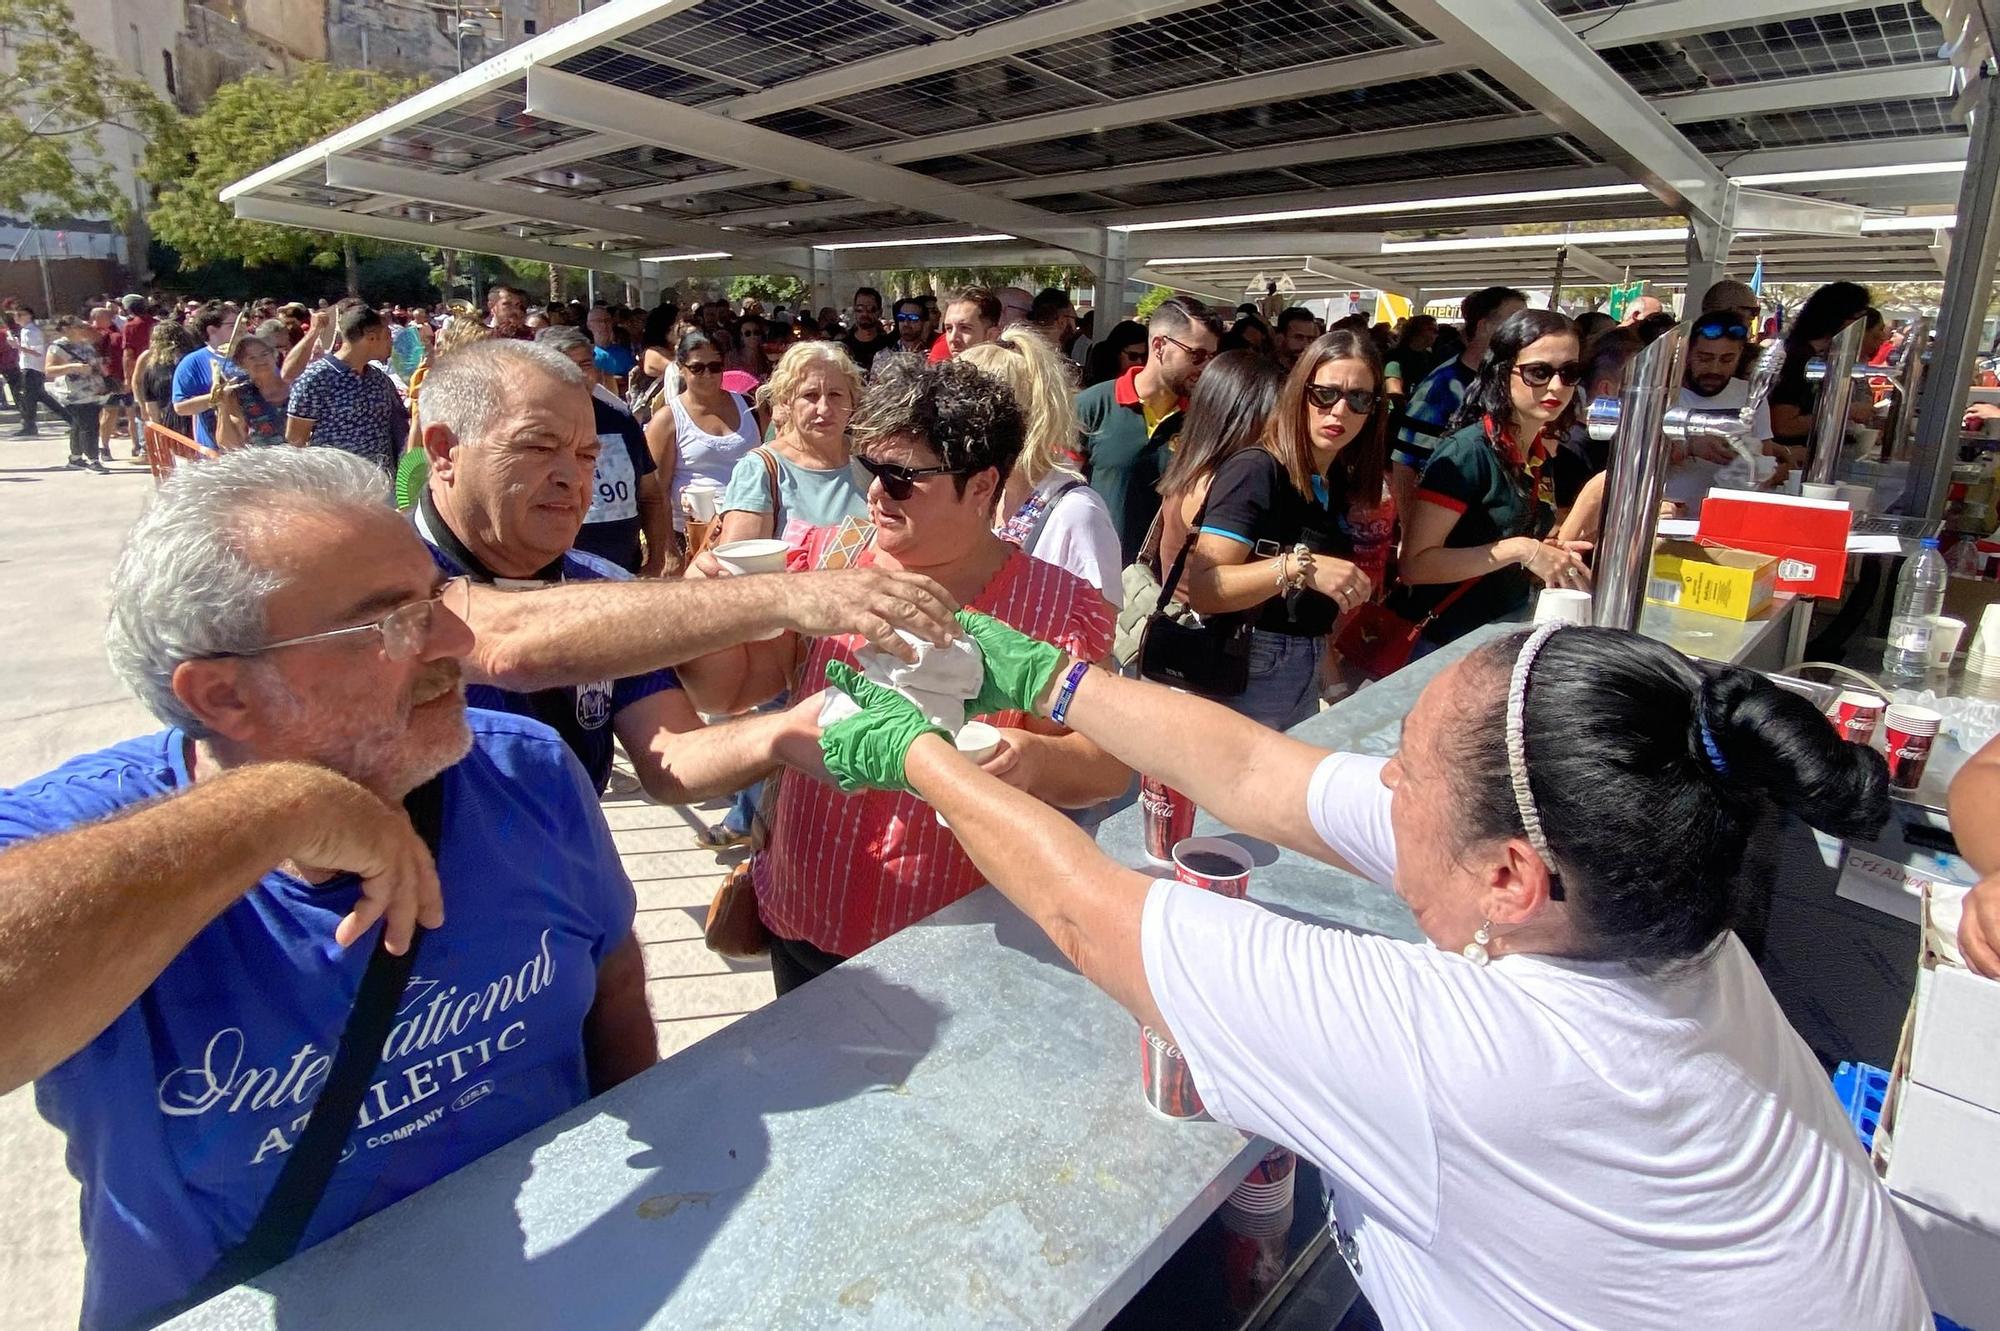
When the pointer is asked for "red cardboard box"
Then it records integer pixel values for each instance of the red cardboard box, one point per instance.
(1808, 536)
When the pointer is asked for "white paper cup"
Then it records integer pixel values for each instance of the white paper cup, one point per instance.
(1945, 635)
(1860, 498)
(977, 741)
(1912, 719)
(760, 556)
(701, 501)
(1817, 490)
(1562, 605)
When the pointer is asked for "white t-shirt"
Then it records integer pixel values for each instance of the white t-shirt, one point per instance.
(709, 455)
(1532, 1143)
(1690, 479)
(1079, 536)
(34, 346)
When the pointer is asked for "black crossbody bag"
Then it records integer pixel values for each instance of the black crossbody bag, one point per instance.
(1211, 658)
(281, 1222)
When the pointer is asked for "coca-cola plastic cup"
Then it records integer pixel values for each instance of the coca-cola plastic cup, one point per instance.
(1164, 1073)
(1908, 731)
(1168, 816)
(1855, 713)
(1213, 865)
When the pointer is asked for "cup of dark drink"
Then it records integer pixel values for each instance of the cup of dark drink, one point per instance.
(1168, 816)
(1908, 731)
(1855, 713)
(1213, 865)
(1164, 1074)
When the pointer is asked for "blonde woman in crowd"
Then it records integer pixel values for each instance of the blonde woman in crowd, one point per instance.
(1047, 508)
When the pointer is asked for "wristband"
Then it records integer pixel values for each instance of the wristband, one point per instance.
(1067, 693)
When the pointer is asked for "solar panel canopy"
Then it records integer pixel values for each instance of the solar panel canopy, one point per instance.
(1400, 144)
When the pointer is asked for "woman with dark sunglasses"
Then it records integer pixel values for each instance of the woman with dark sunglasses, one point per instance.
(1478, 530)
(708, 430)
(1273, 538)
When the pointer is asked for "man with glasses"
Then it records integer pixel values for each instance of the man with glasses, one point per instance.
(868, 338)
(185, 917)
(1709, 383)
(913, 328)
(937, 443)
(1129, 422)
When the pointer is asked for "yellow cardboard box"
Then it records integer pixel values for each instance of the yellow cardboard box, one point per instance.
(1734, 584)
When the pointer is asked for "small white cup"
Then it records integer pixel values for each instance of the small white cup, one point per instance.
(759, 556)
(1816, 490)
(1562, 605)
(701, 500)
(977, 741)
(1945, 634)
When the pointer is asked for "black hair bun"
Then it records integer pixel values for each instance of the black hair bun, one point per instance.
(1777, 743)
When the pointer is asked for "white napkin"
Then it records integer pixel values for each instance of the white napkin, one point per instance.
(940, 683)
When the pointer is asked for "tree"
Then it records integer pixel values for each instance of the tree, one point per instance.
(250, 124)
(1152, 300)
(56, 93)
(792, 292)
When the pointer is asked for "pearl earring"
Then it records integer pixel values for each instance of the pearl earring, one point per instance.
(1475, 951)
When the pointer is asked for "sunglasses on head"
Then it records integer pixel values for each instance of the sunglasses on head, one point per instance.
(899, 482)
(1725, 327)
(1536, 374)
(1326, 397)
(702, 366)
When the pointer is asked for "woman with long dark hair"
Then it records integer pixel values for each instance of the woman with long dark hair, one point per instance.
(1271, 540)
(1230, 410)
(1569, 1099)
(1795, 398)
(1474, 537)
(1119, 350)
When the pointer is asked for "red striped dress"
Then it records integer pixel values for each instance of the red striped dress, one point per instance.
(843, 872)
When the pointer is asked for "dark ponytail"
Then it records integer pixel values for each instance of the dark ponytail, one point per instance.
(1649, 774)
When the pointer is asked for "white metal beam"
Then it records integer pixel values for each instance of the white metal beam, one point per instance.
(554, 156)
(1192, 286)
(1527, 48)
(1591, 266)
(1769, 95)
(587, 30)
(579, 101)
(1356, 277)
(1761, 210)
(1150, 245)
(350, 172)
(420, 233)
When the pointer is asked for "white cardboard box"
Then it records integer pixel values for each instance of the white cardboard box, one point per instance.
(1959, 1265)
(1947, 1156)
(1957, 1045)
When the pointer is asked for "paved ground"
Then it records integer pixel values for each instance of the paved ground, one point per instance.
(59, 535)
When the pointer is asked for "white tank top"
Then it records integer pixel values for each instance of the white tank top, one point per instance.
(711, 455)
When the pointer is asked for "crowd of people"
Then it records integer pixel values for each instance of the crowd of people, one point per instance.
(404, 719)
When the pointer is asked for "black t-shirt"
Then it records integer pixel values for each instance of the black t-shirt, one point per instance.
(864, 353)
(611, 528)
(1793, 389)
(1577, 459)
(1253, 501)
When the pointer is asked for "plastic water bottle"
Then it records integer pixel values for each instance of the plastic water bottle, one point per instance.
(1919, 599)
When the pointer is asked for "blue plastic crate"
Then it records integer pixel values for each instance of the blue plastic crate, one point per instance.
(1861, 1088)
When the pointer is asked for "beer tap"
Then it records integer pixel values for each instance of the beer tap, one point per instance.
(1684, 423)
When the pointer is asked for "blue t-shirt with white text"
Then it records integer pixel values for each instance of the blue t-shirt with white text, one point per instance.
(180, 1113)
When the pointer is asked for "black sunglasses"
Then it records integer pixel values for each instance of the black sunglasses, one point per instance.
(1326, 397)
(1721, 328)
(702, 366)
(1536, 374)
(899, 482)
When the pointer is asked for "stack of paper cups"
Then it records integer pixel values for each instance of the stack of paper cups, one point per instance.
(1982, 658)
(1562, 605)
(1262, 1203)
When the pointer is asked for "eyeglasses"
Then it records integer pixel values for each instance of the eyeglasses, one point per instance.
(909, 318)
(900, 482)
(404, 630)
(1720, 328)
(1195, 354)
(702, 366)
(1536, 374)
(1326, 397)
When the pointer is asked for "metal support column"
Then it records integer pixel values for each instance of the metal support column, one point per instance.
(1707, 261)
(1638, 475)
(1968, 279)
(1114, 272)
(822, 280)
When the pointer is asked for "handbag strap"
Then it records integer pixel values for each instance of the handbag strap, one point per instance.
(1180, 557)
(1048, 511)
(1444, 603)
(771, 479)
(281, 1222)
